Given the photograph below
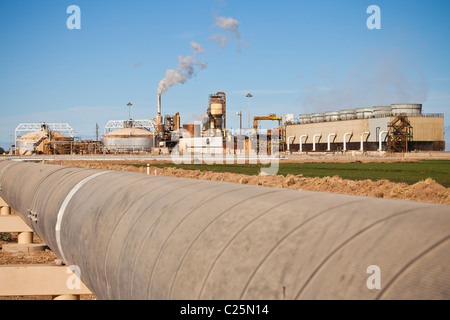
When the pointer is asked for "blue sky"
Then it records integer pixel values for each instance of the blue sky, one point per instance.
(293, 56)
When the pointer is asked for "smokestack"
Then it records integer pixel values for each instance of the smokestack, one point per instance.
(159, 104)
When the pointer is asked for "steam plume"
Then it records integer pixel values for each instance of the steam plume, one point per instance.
(380, 80)
(227, 25)
(186, 69)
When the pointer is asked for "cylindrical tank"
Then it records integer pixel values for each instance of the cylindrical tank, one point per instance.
(364, 113)
(129, 140)
(347, 114)
(290, 118)
(216, 105)
(408, 109)
(317, 117)
(305, 118)
(380, 111)
(136, 236)
(332, 116)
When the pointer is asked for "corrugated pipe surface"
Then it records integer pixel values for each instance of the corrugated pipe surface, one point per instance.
(151, 237)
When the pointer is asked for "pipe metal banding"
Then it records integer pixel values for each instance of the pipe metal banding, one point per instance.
(135, 236)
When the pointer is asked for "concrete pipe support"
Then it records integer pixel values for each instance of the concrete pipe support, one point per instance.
(135, 236)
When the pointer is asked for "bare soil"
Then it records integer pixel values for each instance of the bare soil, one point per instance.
(423, 191)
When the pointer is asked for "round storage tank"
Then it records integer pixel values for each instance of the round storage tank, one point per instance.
(305, 118)
(317, 117)
(332, 116)
(347, 114)
(381, 111)
(216, 107)
(129, 140)
(364, 113)
(408, 109)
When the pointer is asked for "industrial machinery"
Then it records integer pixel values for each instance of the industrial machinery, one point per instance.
(272, 117)
(279, 131)
(44, 138)
(215, 121)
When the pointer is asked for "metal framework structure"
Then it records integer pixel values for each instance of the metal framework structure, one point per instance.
(400, 134)
(23, 128)
(271, 117)
(63, 128)
(119, 124)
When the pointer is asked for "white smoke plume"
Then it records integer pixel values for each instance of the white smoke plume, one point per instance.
(186, 69)
(377, 81)
(228, 25)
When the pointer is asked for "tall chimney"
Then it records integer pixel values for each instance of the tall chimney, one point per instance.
(159, 104)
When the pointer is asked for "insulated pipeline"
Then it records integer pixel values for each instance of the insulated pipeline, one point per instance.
(135, 236)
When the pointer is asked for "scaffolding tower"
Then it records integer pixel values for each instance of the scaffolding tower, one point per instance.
(400, 134)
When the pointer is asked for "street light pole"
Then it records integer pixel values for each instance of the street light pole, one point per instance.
(249, 118)
(129, 110)
(240, 121)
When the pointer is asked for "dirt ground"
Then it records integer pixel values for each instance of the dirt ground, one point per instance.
(424, 191)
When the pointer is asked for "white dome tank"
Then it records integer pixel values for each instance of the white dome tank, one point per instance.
(129, 140)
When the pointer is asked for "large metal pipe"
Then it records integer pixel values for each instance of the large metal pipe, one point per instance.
(345, 139)
(135, 236)
(301, 139)
(314, 140)
(380, 147)
(362, 140)
(288, 142)
(329, 140)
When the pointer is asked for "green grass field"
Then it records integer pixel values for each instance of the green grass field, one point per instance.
(407, 172)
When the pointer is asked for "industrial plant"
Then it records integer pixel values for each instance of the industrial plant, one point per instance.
(394, 128)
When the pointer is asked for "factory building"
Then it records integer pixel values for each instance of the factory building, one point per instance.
(367, 129)
(38, 138)
(50, 138)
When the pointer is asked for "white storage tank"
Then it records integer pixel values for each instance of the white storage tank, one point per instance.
(332, 116)
(129, 140)
(347, 114)
(364, 113)
(317, 117)
(305, 118)
(381, 111)
(408, 109)
(289, 118)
